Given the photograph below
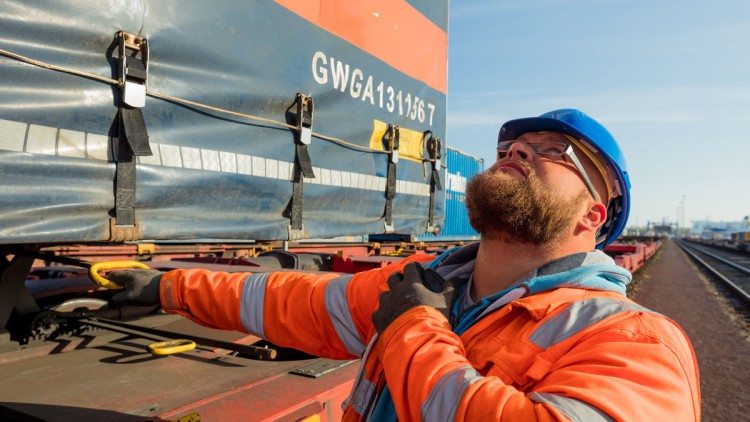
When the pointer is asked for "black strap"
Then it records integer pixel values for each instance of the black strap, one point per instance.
(135, 69)
(434, 150)
(390, 193)
(298, 198)
(133, 129)
(124, 183)
(304, 134)
(132, 141)
(390, 186)
(132, 138)
(302, 163)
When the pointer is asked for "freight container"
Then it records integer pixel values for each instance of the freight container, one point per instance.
(261, 120)
(187, 122)
(460, 168)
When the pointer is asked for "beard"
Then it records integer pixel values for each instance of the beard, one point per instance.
(506, 209)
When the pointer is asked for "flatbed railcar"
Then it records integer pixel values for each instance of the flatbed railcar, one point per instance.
(736, 241)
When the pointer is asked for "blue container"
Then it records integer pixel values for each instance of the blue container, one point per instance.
(461, 167)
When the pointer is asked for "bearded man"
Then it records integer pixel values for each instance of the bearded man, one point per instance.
(530, 323)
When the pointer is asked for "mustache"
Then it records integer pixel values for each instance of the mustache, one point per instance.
(529, 170)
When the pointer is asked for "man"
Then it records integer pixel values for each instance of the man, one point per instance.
(530, 323)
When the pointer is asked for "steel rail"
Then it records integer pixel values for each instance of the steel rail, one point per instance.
(739, 291)
(724, 260)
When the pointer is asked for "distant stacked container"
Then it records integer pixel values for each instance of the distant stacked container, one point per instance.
(461, 167)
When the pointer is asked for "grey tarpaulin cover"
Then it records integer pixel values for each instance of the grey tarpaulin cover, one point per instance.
(214, 174)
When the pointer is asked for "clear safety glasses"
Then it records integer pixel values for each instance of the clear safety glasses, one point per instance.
(555, 149)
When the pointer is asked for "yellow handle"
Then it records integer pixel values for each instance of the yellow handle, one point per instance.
(112, 265)
(171, 347)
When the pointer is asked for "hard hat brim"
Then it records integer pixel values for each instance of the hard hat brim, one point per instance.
(515, 128)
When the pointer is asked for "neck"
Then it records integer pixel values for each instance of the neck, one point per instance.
(500, 264)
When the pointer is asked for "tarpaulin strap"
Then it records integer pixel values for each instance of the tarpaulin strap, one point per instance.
(124, 183)
(302, 164)
(390, 186)
(304, 133)
(434, 150)
(132, 138)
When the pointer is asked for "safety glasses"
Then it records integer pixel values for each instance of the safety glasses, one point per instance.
(554, 149)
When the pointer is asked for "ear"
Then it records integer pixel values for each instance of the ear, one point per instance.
(594, 217)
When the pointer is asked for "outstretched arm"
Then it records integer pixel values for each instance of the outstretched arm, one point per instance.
(326, 315)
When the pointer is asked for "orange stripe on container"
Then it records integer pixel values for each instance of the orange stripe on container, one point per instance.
(391, 30)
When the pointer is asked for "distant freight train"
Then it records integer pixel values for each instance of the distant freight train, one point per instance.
(740, 241)
(736, 241)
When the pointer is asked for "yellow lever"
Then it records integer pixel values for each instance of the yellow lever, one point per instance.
(112, 265)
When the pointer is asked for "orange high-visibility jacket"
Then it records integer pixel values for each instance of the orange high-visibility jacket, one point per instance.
(563, 354)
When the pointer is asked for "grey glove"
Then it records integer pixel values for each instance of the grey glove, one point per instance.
(415, 287)
(141, 287)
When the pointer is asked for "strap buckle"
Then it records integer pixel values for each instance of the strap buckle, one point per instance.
(304, 118)
(133, 64)
(434, 147)
(394, 135)
(434, 150)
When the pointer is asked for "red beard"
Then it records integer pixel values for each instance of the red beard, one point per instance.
(504, 208)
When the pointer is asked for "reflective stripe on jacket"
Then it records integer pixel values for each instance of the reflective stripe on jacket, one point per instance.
(569, 353)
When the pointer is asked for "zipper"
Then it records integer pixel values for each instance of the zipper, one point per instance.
(454, 320)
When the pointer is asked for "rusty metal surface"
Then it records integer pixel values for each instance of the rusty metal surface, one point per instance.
(123, 233)
(111, 376)
(270, 400)
(320, 367)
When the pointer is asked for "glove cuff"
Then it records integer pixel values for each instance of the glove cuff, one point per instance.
(169, 295)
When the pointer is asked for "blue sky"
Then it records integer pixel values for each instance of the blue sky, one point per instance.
(670, 80)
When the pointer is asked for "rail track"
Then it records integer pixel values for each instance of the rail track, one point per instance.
(731, 268)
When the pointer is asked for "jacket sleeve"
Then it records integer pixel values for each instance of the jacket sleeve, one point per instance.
(614, 373)
(327, 315)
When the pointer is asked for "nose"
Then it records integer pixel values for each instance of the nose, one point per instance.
(519, 150)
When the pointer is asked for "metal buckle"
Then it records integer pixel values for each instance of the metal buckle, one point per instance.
(304, 118)
(133, 63)
(393, 142)
(434, 147)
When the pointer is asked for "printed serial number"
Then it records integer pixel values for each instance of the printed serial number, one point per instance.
(344, 78)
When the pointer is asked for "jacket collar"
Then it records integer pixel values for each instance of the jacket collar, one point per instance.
(573, 273)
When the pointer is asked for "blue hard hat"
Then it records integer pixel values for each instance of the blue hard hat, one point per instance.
(577, 124)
